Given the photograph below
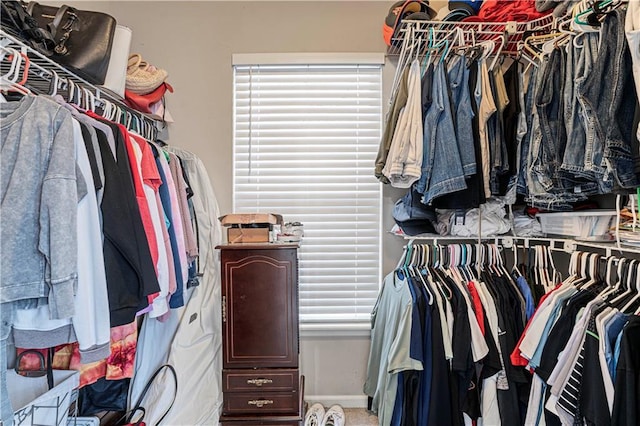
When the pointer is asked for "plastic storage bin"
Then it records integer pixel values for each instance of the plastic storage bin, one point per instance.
(35, 404)
(587, 224)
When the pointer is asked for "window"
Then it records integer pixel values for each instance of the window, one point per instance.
(306, 136)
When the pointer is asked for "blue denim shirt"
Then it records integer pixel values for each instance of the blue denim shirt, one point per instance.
(611, 100)
(463, 113)
(442, 171)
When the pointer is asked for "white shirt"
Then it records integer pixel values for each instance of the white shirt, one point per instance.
(404, 162)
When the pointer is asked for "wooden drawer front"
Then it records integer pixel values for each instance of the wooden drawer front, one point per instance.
(260, 402)
(285, 380)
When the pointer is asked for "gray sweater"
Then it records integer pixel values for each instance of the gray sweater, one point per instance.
(39, 191)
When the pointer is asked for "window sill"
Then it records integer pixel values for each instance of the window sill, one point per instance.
(309, 330)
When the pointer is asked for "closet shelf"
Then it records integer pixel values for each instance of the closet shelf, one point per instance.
(506, 35)
(44, 71)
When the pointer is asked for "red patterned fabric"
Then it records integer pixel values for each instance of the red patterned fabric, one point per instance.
(509, 10)
(119, 365)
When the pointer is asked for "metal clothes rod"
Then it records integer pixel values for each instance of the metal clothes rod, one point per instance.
(559, 244)
(43, 71)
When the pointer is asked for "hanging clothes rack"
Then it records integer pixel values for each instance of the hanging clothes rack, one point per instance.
(557, 244)
(45, 75)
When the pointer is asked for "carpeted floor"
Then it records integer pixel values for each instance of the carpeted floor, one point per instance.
(359, 417)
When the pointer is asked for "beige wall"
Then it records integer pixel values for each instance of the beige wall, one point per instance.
(194, 41)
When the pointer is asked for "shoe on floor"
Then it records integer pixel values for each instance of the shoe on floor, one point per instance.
(334, 416)
(314, 415)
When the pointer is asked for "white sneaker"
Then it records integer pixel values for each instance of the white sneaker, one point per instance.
(314, 415)
(334, 416)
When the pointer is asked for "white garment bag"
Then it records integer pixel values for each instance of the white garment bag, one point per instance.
(191, 339)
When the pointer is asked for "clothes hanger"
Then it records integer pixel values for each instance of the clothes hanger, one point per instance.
(499, 260)
(459, 259)
(149, 130)
(584, 278)
(117, 113)
(122, 116)
(71, 92)
(462, 261)
(449, 266)
(417, 267)
(14, 56)
(424, 52)
(533, 41)
(442, 46)
(585, 18)
(135, 125)
(90, 100)
(573, 266)
(11, 82)
(402, 257)
(631, 305)
(111, 112)
(457, 252)
(405, 52)
(503, 42)
(626, 280)
(514, 267)
(470, 260)
(129, 120)
(620, 279)
(547, 262)
(593, 13)
(541, 267)
(557, 276)
(611, 287)
(473, 51)
(493, 262)
(53, 85)
(457, 39)
(488, 46)
(594, 262)
(443, 286)
(500, 265)
(106, 108)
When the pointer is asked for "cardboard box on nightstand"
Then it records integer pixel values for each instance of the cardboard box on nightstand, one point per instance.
(249, 227)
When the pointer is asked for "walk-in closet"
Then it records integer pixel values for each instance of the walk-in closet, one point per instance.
(320, 213)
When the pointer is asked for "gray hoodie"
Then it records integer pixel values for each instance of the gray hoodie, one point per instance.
(39, 194)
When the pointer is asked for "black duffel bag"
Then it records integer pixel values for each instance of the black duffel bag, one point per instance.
(83, 39)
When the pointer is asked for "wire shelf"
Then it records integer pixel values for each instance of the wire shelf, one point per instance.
(42, 71)
(511, 32)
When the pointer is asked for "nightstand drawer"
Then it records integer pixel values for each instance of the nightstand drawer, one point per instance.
(261, 402)
(284, 380)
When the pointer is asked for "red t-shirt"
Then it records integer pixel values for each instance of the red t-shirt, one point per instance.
(477, 305)
(516, 358)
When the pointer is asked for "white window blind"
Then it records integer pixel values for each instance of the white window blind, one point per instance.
(305, 142)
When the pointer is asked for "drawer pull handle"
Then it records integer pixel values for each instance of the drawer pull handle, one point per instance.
(260, 402)
(259, 382)
(224, 308)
